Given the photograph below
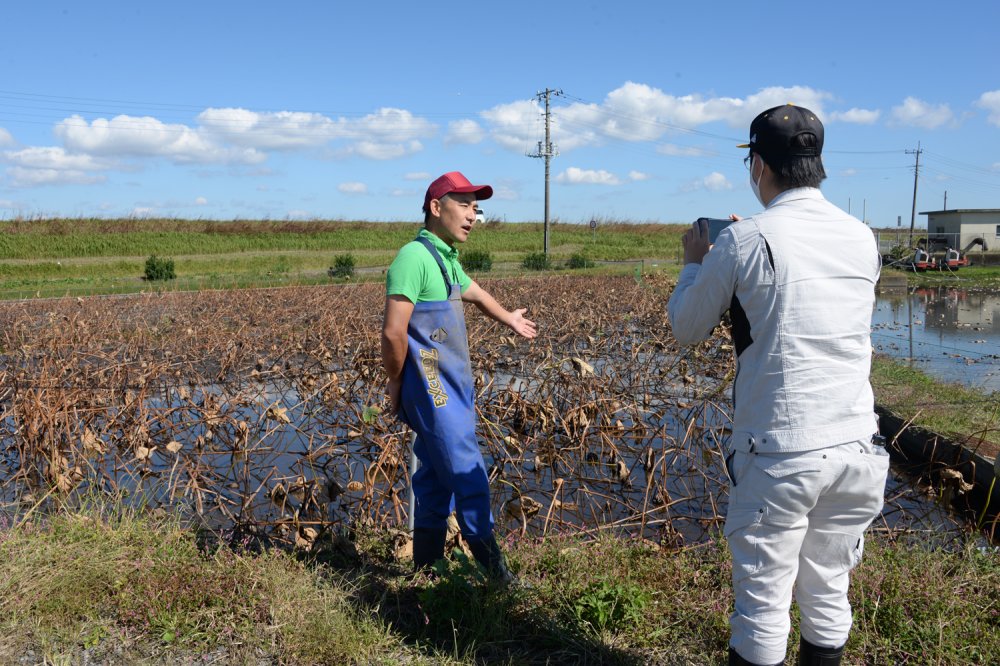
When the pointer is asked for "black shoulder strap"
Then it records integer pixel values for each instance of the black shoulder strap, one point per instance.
(440, 262)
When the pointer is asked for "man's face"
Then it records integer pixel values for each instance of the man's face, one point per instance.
(456, 214)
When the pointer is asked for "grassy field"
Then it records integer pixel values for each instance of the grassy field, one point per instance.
(949, 409)
(76, 257)
(58, 257)
(100, 584)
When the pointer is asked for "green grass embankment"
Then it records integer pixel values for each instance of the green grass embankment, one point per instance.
(93, 586)
(960, 413)
(80, 257)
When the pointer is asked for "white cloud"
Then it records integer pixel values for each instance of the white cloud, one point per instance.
(516, 125)
(402, 192)
(917, 113)
(387, 134)
(503, 192)
(464, 132)
(635, 112)
(681, 151)
(991, 102)
(6, 139)
(281, 130)
(848, 173)
(141, 211)
(383, 132)
(145, 136)
(713, 182)
(375, 150)
(21, 177)
(417, 175)
(201, 201)
(353, 188)
(716, 182)
(51, 165)
(577, 176)
(857, 116)
(51, 157)
(637, 176)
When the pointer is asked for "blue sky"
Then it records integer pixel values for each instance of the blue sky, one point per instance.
(340, 110)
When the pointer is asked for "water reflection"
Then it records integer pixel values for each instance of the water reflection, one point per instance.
(951, 334)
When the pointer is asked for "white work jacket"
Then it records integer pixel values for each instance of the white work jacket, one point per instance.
(799, 281)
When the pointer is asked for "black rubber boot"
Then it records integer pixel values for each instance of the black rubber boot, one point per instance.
(428, 546)
(736, 660)
(813, 655)
(487, 553)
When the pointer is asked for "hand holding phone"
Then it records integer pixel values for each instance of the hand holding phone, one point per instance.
(715, 225)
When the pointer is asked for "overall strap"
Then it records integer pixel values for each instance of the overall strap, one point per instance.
(437, 257)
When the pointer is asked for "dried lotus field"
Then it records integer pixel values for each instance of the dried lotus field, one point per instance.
(259, 413)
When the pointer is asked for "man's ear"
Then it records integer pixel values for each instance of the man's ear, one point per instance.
(434, 207)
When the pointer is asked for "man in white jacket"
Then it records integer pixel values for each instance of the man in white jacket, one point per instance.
(807, 474)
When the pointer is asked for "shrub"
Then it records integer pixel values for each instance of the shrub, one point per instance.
(536, 261)
(476, 260)
(343, 266)
(158, 268)
(579, 261)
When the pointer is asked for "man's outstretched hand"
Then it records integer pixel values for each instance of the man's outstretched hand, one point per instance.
(522, 326)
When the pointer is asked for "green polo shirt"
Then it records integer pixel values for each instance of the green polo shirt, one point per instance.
(415, 274)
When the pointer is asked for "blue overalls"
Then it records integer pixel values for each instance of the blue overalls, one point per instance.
(437, 402)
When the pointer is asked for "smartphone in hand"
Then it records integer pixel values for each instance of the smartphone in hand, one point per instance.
(715, 225)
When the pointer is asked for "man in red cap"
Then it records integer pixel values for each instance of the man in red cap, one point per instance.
(806, 467)
(425, 352)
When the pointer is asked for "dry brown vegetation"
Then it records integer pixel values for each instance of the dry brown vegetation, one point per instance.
(260, 410)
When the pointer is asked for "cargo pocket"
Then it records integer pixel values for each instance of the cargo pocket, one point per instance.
(740, 532)
(878, 459)
(791, 488)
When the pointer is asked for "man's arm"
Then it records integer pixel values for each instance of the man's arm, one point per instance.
(395, 322)
(705, 286)
(488, 305)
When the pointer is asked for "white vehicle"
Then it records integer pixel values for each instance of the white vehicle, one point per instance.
(480, 216)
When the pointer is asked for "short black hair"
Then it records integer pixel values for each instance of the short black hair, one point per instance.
(798, 171)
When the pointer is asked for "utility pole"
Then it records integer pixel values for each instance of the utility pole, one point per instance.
(548, 151)
(945, 200)
(916, 172)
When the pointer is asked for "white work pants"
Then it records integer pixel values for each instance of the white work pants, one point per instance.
(797, 520)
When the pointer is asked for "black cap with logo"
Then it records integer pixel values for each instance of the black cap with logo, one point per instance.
(771, 133)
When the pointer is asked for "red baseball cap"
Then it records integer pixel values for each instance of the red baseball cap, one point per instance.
(454, 181)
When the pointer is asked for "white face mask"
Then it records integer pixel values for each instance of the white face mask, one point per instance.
(755, 184)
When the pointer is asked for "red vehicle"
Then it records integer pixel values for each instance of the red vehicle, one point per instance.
(922, 261)
(954, 260)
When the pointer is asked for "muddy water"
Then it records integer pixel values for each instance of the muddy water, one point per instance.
(951, 334)
(653, 468)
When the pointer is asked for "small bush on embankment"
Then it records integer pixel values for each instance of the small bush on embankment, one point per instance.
(118, 586)
(159, 268)
(476, 261)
